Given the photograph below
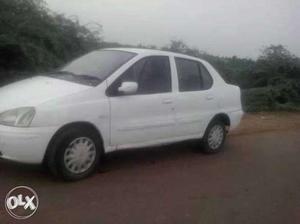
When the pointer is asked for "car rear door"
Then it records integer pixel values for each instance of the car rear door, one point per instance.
(146, 117)
(195, 101)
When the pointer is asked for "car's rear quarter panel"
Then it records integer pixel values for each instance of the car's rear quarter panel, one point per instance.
(230, 103)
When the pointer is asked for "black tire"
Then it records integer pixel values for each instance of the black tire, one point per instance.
(207, 146)
(56, 159)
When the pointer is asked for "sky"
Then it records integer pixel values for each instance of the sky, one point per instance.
(219, 27)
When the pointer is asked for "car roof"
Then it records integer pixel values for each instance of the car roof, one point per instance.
(153, 52)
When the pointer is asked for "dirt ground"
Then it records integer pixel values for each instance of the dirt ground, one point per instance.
(255, 180)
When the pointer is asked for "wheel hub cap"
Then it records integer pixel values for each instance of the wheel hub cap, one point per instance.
(80, 155)
(215, 137)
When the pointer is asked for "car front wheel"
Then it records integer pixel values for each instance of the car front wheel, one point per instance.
(77, 154)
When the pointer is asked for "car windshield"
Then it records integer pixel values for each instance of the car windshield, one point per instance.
(93, 68)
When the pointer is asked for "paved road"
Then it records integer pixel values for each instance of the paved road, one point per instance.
(255, 180)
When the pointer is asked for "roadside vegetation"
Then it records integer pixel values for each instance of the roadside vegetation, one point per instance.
(34, 39)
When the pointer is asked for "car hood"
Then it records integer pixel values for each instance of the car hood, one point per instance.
(37, 90)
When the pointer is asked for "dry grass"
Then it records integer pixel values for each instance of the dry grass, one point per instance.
(268, 121)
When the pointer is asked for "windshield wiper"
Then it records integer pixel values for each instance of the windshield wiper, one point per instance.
(88, 77)
(83, 79)
(61, 73)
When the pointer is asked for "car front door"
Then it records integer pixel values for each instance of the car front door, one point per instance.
(195, 100)
(147, 116)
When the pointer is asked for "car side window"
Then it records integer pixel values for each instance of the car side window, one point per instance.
(206, 78)
(189, 76)
(152, 74)
(192, 75)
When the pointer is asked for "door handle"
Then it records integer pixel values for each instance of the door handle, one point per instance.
(167, 101)
(209, 97)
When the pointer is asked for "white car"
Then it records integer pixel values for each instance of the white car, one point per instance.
(114, 99)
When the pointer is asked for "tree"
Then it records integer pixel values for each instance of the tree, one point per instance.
(277, 59)
(33, 38)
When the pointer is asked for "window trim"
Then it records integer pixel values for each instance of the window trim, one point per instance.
(199, 63)
(107, 91)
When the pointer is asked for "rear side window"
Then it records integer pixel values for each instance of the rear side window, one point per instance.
(192, 75)
(207, 80)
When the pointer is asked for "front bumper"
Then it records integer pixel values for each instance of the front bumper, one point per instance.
(25, 145)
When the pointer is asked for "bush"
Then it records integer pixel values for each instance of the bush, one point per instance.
(257, 99)
(270, 98)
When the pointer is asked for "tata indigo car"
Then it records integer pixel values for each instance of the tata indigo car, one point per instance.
(114, 99)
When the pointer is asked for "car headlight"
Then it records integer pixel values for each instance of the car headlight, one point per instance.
(20, 117)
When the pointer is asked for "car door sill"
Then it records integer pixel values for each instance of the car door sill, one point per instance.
(158, 142)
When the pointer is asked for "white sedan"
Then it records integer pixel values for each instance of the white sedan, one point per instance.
(114, 99)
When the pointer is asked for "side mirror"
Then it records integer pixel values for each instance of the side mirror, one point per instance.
(128, 88)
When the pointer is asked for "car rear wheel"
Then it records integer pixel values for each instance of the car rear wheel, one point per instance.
(214, 137)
